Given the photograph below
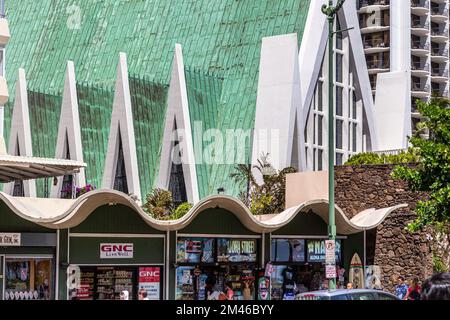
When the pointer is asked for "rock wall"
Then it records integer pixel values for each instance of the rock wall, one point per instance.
(397, 251)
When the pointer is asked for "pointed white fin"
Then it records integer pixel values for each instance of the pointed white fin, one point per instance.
(178, 113)
(69, 132)
(122, 123)
(277, 103)
(20, 143)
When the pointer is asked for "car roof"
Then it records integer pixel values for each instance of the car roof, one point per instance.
(337, 292)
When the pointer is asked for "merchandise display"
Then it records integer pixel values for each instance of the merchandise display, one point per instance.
(208, 265)
(106, 283)
(28, 279)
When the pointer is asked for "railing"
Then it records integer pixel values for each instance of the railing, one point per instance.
(435, 11)
(439, 73)
(419, 24)
(420, 66)
(420, 4)
(375, 44)
(391, 152)
(419, 45)
(366, 3)
(439, 32)
(439, 52)
(417, 86)
(377, 65)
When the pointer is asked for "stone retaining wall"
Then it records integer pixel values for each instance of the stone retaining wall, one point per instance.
(397, 251)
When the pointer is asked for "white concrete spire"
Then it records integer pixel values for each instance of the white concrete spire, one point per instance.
(69, 132)
(177, 117)
(277, 104)
(122, 124)
(20, 143)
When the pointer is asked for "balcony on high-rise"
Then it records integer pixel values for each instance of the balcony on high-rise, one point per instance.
(367, 3)
(420, 7)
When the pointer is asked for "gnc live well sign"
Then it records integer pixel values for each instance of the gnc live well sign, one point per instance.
(116, 250)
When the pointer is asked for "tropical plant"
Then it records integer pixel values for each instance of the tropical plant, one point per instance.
(159, 203)
(432, 174)
(267, 197)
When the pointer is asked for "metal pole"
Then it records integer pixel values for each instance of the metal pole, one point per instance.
(330, 12)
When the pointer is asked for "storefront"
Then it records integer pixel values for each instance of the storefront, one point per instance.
(297, 257)
(216, 252)
(27, 258)
(112, 251)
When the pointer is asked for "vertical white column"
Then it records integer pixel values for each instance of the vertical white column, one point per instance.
(400, 35)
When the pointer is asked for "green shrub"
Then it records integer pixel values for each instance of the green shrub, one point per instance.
(370, 158)
(182, 210)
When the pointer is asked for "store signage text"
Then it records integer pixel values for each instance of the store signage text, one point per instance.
(10, 239)
(116, 250)
(241, 247)
(317, 250)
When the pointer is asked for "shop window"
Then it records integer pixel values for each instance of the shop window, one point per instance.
(292, 250)
(108, 283)
(28, 279)
(208, 265)
(120, 180)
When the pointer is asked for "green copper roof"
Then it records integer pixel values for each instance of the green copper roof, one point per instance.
(221, 42)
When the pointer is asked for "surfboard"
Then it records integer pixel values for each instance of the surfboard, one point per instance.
(356, 272)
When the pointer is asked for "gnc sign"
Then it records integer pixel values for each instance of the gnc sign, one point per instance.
(116, 250)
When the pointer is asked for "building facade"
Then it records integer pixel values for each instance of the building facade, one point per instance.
(114, 99)
(410, 36)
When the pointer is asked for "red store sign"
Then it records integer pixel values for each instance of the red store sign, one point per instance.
(116, 250)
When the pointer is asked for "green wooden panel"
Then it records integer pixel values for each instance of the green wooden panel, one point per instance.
(115, 219)
(216, 221)
(305, 224)
(27, 250)
(10, 222)
(63, 258)
(87, 250)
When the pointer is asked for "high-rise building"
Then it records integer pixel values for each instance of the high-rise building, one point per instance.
(410, 36)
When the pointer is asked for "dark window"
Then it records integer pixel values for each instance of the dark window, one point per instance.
(354, 137)
(339, 91)
(176, 183)
(66, 189)
(339, 67)
(120, 180)
(320, 96)
(320, 160)
(384, 296)
(18, 189)
(319, 131)
(339, 158)
(362, 296)
(340, 297)
(339, 124)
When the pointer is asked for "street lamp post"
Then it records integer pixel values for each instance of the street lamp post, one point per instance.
(330, 11)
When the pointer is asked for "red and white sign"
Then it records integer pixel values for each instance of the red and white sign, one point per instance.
(330, 259)
(330, 271)
(116, 250)
(149, 280)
